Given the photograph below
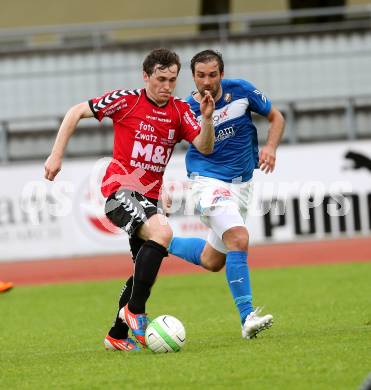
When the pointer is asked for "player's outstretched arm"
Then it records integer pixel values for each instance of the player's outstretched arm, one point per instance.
(53, 163)
(204, 142)
(267, 157)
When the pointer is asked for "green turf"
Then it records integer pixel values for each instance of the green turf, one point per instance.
(51, 336)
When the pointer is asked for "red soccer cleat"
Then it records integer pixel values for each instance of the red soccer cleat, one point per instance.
(127, 344)
(136, 322)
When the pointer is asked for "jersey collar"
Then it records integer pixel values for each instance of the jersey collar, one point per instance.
(152, 101)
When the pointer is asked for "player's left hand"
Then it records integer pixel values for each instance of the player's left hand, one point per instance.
(267, 158)
(207, 106)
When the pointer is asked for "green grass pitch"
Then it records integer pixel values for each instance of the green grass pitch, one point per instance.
(51, 336)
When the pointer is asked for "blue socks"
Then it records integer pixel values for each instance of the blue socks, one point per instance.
(237, 270)
(189, 249)
(238, 278)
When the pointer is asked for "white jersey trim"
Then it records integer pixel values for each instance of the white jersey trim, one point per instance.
(230, 111)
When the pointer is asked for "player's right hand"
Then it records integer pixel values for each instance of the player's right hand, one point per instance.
(53, 165)
(167, 202)
(207, 106)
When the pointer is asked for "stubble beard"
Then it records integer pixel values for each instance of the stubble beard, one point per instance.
(213, 92)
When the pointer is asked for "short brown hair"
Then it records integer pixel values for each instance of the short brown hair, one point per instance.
(163, 57)
(206, 56)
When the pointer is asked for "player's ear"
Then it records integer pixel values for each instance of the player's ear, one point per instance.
(145, 76)
(222, 74)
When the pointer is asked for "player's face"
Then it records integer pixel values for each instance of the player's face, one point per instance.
(161, 83)
(207, 77)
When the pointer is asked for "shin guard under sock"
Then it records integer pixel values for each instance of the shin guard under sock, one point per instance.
(147, 265)
(238, 277)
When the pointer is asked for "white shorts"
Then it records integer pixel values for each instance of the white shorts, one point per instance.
(222, 206)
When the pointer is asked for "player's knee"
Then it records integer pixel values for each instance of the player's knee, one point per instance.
(236, 239)
(163, 235)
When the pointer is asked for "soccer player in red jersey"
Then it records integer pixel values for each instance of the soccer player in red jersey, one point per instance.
(147, 124)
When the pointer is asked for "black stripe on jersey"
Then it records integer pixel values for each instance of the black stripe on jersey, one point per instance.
(91, 105)
(108, 99)
(131, 92)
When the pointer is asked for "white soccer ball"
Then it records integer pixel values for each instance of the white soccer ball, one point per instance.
(165, 334)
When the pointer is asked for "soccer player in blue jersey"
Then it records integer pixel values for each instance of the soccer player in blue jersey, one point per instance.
(221, 182)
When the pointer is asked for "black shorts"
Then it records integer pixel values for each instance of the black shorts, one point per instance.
(129, 210)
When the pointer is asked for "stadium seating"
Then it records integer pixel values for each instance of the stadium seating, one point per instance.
(321, 82)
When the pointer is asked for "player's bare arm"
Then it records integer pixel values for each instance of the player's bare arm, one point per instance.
(53, 163)
(204, 142)
(267, 157)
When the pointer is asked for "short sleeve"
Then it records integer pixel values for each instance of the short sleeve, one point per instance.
(258, 101)
(109, 105)
(188, 122)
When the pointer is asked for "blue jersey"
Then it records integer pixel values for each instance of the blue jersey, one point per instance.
(235, 154)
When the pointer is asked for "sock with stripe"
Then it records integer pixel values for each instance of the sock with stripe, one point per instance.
(119, 329)
(189, 249)
(238, 277)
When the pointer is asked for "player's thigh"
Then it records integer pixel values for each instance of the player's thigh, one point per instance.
(131, 211)
(226, 217)
(156, 228)
(243, 195)
(128, 209)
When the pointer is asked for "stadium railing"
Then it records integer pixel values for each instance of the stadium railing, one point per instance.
(78, 63)
(31, 138)
(222, 27)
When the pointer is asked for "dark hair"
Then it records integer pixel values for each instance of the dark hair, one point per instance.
(163, 57)
(207, 56)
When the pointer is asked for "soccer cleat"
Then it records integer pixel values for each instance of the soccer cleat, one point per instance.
(136, 322)
(5, 286)
(254, 324)
(127, 344)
